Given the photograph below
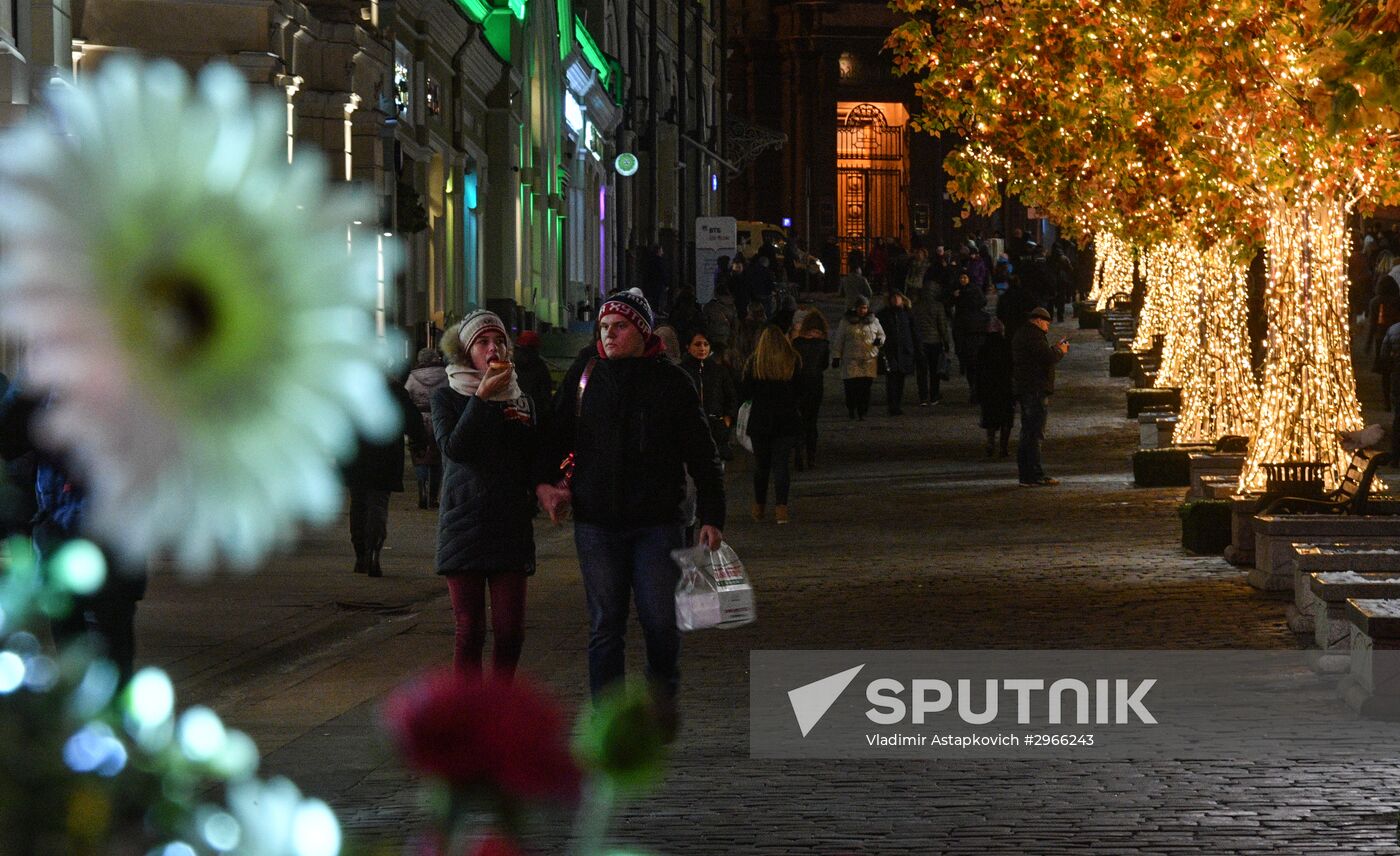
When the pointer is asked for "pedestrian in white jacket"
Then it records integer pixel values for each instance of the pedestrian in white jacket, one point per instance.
(855, 351)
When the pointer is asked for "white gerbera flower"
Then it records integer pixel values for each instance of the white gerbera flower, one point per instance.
(189, 300)
(275, 820)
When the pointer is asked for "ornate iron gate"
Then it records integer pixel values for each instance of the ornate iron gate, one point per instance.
(871, 180)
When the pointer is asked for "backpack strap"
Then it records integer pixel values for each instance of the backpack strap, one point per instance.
(582, 385)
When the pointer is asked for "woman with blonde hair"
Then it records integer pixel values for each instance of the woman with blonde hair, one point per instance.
(775, 423)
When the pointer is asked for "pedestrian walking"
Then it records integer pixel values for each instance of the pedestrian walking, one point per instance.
(719, 397)
(485, 423)
(900, 350)
(996, 394)
(1033, 361)
(428, 374)
(969, 326)
(1381, 314)
(106, 617)
(532, 373)
(1389, 359)
(746, 339)
(935, 337)
(377, 472)
(854, 285)
(721, 318)
(629, 422)
(814, 348)
(775, 423)
(857, 350)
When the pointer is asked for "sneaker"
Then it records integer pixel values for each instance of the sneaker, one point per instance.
(780, 514)
(1029, 484)
(1048, 482)
(757, 512)
(925, 403)
(935, 402)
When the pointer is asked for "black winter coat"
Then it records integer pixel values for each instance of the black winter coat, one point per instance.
(774, 412)
(1033, 361)
(994, 390)
(488, 486)
(379, 466)
(901, 339)
(816, 355)
(715, 383)
(641, 430)
(532, 374)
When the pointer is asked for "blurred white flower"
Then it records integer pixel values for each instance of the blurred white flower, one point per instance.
(274, 820)
(189, 300)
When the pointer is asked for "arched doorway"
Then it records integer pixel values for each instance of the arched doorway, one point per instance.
(872, 175)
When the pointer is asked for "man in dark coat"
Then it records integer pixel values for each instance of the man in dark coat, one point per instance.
(1033, 361)
(533, 373)
(376, 472)
(631, 420)
(108, 615)
(901, 348)
(759, 282)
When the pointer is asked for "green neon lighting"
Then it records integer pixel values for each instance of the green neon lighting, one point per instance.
(566, 38)
(497, 27)
(592, 53)
(477, 10)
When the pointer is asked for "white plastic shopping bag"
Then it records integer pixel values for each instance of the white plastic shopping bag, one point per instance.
(714, 591)
(741, 427)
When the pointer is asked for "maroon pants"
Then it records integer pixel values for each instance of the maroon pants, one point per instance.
(507, 620)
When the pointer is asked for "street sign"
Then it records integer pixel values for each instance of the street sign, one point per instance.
(714, 237)
(625, 164)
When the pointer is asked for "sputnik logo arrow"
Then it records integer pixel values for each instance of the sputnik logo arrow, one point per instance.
(810, 702)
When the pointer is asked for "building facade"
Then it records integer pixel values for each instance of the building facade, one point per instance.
(849, 169)
(487, 132)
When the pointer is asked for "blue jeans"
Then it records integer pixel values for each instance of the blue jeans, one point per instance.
(618, 564)
(1033, 413)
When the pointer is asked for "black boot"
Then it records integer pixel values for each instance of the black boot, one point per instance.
(372, 564)
(361, 563)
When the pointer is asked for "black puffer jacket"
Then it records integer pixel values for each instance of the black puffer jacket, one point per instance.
(488, 494)
(641, 429)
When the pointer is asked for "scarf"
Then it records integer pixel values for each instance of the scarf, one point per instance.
(465, 381)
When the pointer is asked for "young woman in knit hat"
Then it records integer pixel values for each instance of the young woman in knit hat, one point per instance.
(488, 433)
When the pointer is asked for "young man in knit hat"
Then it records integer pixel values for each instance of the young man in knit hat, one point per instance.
(629, 424)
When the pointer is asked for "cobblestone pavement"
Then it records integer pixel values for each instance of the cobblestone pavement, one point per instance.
(905, 536)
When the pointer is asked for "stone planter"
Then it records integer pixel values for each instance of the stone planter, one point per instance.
(1155, 429)
(1162, 399)
(1330, 592)
(1372, 684)
(1242, 509)
(1161, 468)
(1337, 562)
(1205, 526)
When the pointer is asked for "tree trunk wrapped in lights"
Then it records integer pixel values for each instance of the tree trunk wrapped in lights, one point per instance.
(1309, 392)
(1156, 297)
(1178, 287)
(1113, 269)
(1219, 394)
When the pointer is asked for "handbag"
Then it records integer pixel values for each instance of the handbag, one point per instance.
(741, 426)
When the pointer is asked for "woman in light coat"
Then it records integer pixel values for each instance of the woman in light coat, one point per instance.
(857, 351)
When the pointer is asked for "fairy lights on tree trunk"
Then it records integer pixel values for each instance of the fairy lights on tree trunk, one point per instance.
(1309, 386)
(1113, 269)
(1220, 394)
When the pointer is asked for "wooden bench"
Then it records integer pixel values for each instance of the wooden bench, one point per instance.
(1352, 495)
(1372, 684)
(1330, 591)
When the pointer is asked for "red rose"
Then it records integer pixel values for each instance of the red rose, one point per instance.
(483, 732)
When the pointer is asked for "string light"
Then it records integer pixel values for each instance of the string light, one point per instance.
(1219, 394)
(1113, 269)
(1309, 391)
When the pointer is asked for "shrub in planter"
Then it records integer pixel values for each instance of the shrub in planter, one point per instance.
(1141, 399)
(1162, 468)
(1089, 317)
(1122, 363)
(1205, 526)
